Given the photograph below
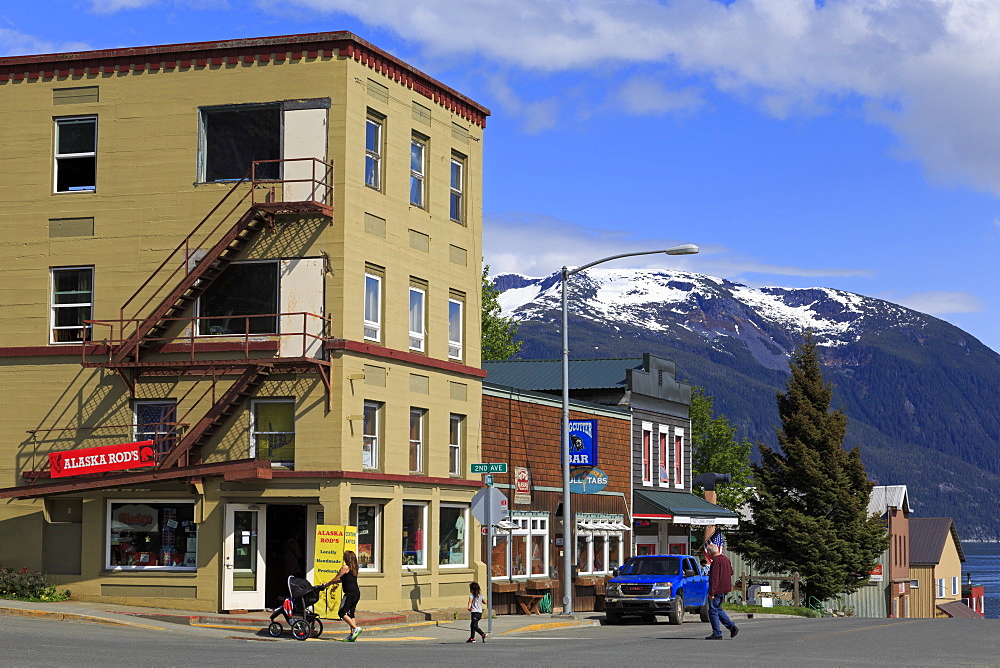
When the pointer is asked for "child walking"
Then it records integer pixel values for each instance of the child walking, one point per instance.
(476, 602)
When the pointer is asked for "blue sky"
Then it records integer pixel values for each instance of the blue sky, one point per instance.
(852, 144)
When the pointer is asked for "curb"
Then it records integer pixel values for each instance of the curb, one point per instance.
(73, 617)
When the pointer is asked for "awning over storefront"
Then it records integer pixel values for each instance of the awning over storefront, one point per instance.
(680, 508)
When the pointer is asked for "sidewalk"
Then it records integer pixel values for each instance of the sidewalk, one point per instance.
(374, 623)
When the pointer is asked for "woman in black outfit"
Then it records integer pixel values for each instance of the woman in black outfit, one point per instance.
(348, 576)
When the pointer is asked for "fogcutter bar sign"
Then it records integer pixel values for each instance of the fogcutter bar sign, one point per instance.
(583, 442)
(103, 459)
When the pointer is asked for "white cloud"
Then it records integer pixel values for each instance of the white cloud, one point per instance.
(646, 95)
(14, 43)
(925, 68)
(112, 6)
(535, 116)
(555, 243)
(940, 302)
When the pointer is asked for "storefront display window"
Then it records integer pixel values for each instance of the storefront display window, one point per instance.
(598, 552)
(414, 529)
(366, 518)
(157, 535)
(453, 538)
(528, 555)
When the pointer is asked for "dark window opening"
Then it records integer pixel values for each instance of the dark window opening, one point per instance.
(243, 299)
(235, 138)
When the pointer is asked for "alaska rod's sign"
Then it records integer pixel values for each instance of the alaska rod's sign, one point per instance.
(100, 460)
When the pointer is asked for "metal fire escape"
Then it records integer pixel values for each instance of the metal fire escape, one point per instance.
(152, 329)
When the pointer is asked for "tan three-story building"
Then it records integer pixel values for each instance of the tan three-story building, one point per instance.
(260, 260)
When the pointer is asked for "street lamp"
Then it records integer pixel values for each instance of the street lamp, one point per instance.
(569, 542)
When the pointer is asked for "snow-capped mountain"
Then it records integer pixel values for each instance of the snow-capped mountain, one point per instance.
(920, 394)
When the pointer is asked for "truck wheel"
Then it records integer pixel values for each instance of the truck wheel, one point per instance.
(676, 614)
(612, 618)
(703, 611)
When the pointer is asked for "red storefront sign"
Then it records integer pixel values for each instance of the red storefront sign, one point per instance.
(102, 459)
(522, 485)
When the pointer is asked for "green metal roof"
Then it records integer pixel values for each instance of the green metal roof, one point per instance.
(546, 375)
(677, 504)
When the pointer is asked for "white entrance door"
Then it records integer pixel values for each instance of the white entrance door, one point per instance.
(243, 557)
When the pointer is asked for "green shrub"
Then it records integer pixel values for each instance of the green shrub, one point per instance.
(25, 585)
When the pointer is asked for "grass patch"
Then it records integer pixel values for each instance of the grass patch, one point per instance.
(776, 610)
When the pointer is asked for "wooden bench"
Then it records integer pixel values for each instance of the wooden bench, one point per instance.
(528, 603)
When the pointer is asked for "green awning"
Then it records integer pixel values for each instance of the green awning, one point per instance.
(680, 508)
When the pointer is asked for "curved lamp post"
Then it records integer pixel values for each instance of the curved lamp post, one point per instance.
(569, 535)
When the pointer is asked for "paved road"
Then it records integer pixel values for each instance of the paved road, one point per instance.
(786, 642)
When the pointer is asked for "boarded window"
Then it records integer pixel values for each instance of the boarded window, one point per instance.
(235, 137)
(243, 299)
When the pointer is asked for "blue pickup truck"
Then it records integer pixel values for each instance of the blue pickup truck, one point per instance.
(662, 584)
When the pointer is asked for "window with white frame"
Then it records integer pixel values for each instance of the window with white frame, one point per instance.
(453, 539)
(663, 470)
(415, 535)
(373, 306)
(151, 535)
(457, 194)
(954, 585)
(76, 154)
(418, 420)
(598, 551)
(156, 421)
(524, 550)
(272, 431)
(455, 323)
(367, 517)
(418, 299)
(72, 304)
(373, 152)
(418, 170)
(456, 436)
(371, 438)
(647, 454)
(678, 457)
(940, 588)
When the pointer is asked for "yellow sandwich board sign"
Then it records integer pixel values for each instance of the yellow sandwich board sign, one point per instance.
(332, 540)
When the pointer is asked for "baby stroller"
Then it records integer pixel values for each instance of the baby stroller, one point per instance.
(297, 610)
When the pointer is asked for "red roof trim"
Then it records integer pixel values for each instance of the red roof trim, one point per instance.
(643, 516)
(261, 49)
(403, 356)
(371, 475)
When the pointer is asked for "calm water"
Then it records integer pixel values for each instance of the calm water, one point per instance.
(982, 562)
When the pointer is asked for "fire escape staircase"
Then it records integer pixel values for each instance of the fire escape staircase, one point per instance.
(223, 408)
(148, 334)
(167, 294)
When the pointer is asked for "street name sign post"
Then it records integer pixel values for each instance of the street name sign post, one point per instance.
(489, 506)
(488, 468)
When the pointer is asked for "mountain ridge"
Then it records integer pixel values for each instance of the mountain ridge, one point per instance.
(919, 392)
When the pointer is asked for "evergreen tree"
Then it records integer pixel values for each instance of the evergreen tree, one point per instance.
(811, 498)
(716, 450)
(498, 331)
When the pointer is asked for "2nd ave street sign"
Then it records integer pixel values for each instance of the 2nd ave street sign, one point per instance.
(488, 468)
